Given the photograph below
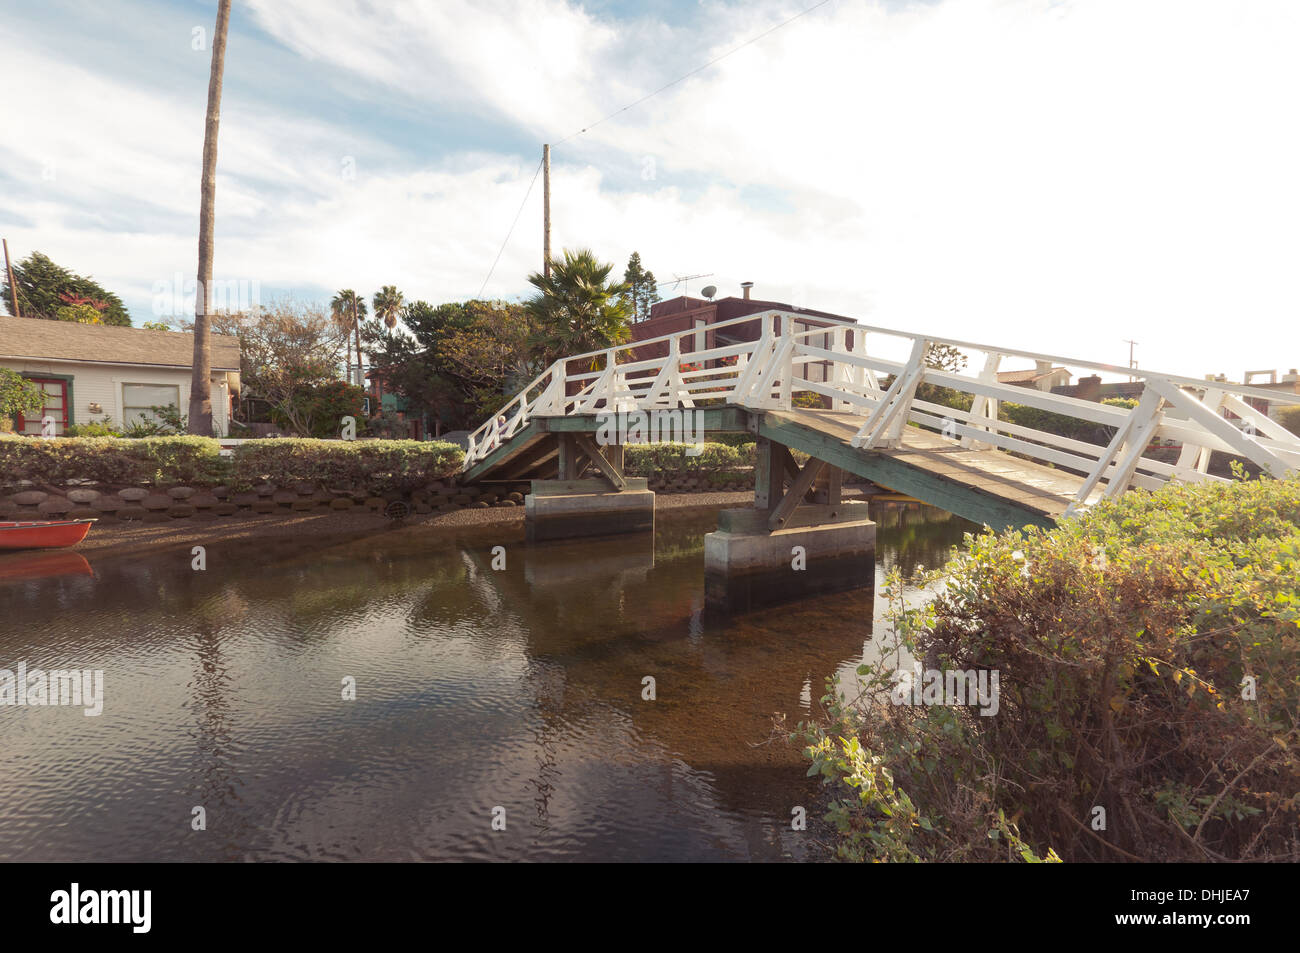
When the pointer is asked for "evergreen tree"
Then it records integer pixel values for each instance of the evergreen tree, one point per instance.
(45, 288)
(641, 293)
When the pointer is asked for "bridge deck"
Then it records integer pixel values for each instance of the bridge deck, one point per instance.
(935, 469)
(985, 486)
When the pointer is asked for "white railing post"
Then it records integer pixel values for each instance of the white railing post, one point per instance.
(1193, 456)
(841, 374)
(885, 424)
(785, 364)
(1145, 420)
(984, 408)
(756, 368)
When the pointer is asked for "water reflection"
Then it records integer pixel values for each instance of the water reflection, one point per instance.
(476, 688)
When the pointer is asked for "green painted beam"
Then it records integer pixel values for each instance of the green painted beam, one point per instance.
(511, 448)
(967, 502)
(931, 488)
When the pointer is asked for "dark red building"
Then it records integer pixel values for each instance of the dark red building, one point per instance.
(686, 313)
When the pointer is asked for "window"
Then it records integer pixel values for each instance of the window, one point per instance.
(138, 398)
(56, 406)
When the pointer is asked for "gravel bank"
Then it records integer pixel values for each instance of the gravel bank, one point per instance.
(120, 538)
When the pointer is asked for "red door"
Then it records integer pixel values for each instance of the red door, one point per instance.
(56, 406)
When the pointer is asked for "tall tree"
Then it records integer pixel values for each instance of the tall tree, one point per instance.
(577, 308)
(388, 305)
(201, 381)
(349, 309)
(415, 366)
(45, 288)
(642, 289)
(288, 358)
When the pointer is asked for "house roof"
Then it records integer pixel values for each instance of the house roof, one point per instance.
(40, 339)
(1025, 377)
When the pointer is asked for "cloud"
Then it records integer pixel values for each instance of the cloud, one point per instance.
(1056, 176)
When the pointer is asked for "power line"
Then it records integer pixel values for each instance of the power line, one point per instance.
(511, 232)
(697, 69)
(685, 76)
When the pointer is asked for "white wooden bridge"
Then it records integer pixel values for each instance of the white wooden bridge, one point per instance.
(969, 462)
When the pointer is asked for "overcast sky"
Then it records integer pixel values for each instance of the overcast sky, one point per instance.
(1054, 175)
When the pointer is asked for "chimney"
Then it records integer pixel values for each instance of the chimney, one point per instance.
(1290, 376)
(745, 286)
(1089, 388)
(1042, 367)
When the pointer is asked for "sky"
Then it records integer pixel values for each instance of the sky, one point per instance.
(1060, 176)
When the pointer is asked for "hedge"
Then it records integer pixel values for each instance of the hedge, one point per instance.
(647, 459)
(190, 460)
(377, 464)
(197, 461)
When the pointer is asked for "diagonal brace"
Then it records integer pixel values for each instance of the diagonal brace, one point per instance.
(602, 463)
(798, 490)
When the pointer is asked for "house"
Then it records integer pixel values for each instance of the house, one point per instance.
(685, 313)
(1091, 388)
(383, 401)
(97, 372)
(1043, 376)
(1287, 384)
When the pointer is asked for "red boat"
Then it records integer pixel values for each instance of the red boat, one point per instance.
(44, 534)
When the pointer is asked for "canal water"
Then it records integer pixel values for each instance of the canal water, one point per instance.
(480, 693)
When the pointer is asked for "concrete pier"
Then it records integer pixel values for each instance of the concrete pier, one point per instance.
(747, 567)
(565, 509)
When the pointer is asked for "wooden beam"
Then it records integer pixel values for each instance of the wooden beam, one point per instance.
(768, 475)
(829, 486)
(611, 473)
(788, 462)
(568, 463)
(794, 496)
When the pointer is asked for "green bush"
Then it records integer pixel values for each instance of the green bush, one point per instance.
(734, 439)
(648, 459)
(18, 395)
(93, 428)
(1149, 660)
(380, 465)
(177, 459)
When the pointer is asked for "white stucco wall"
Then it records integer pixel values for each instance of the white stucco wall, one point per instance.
(102, 384)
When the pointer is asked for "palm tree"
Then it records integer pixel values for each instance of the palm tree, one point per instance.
(388, 305)
(348, 310)
(200, 416)
(577, 308)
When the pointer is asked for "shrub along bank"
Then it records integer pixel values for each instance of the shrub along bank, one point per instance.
(379, 465)
(649, 459)
(1149, 689)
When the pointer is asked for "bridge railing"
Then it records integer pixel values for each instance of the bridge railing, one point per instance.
(837, 361)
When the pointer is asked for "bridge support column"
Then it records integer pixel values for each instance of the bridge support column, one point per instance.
(821, 548)
(565, 509)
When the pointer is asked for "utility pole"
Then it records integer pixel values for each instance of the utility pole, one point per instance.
(546, 210)
(1131, 363)
(361, 380)
(13, 288)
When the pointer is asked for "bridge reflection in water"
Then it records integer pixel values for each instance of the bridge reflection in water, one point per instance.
(476, 688)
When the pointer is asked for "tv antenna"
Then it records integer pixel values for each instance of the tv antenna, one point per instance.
(683, 280)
